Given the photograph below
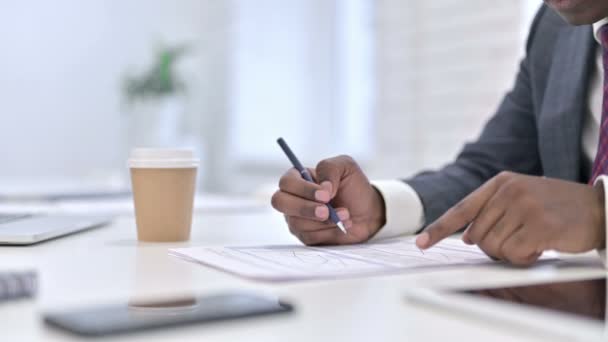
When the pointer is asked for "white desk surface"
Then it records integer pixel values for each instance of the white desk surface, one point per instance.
(109, 265)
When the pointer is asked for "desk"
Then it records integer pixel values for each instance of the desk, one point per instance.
(109, 265)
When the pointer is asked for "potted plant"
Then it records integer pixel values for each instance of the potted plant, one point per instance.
(155, 101)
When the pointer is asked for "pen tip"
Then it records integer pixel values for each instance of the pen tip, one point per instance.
(341, 226)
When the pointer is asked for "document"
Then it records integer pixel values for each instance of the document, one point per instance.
(283, 263)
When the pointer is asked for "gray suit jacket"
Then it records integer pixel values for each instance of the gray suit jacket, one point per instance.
(538, 126)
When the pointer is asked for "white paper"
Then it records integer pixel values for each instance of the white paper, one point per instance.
(279, 263)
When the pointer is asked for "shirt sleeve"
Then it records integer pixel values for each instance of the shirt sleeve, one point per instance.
(404, 211)
(601, 180)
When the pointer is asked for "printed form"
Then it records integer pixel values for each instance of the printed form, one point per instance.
(283, 263)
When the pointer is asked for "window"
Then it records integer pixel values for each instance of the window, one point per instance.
(301, 69)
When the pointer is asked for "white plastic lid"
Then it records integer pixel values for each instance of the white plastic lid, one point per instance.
(162, 158)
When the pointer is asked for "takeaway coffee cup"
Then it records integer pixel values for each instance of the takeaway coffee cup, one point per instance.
(163, 182)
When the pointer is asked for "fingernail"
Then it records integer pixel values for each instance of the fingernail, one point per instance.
(322, 196)
(422, 240)
(343, 215)
(321, 212)
(327, 186)
(348, 224)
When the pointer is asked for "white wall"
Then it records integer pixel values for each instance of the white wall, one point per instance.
(62, 62)
(60, 76)
(60, 82)
(443, 67)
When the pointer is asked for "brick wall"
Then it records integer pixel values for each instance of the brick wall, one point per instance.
(442, 68)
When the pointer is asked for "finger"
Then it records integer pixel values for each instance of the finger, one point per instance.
(291, 205)
(489, 215)
(313, 174)
(521, 247)
(298, 224)
(325, 185)
(331, 236)
(494, 240)
(488, 253)
(330, 171)
(293, 183)
(298, 231)
(458, 216)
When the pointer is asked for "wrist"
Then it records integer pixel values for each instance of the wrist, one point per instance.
(378, 219)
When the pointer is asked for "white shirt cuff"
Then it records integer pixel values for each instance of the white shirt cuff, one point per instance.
(404, 212)
(603, 179)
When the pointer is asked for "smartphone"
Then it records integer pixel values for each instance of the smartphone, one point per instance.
(145, 315)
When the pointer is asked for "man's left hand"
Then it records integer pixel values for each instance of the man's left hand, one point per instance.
(515, 218)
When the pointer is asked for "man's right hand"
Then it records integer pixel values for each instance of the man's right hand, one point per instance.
(341, 183)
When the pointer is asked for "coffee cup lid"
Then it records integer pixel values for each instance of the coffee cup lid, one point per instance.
(162, 158)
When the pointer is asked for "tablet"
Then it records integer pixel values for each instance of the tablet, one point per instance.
(583, 298)
(570, 309)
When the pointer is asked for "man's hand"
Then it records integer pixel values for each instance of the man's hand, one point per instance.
(515, 218)
(341, 181)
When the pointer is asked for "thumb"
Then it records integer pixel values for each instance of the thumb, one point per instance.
(330, 172)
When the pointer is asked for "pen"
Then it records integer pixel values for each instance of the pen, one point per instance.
(333, 216)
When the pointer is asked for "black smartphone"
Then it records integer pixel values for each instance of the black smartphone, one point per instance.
(145, 315)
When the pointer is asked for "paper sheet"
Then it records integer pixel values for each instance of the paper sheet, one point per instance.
(280, 263)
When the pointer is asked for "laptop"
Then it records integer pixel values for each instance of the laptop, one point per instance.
(27, 229)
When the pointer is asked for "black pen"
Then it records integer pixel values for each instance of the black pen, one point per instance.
(333, 216)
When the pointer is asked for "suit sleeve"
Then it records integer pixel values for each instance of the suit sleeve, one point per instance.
(508, 142)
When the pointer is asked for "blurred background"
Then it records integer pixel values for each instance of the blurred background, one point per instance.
(398, 84)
